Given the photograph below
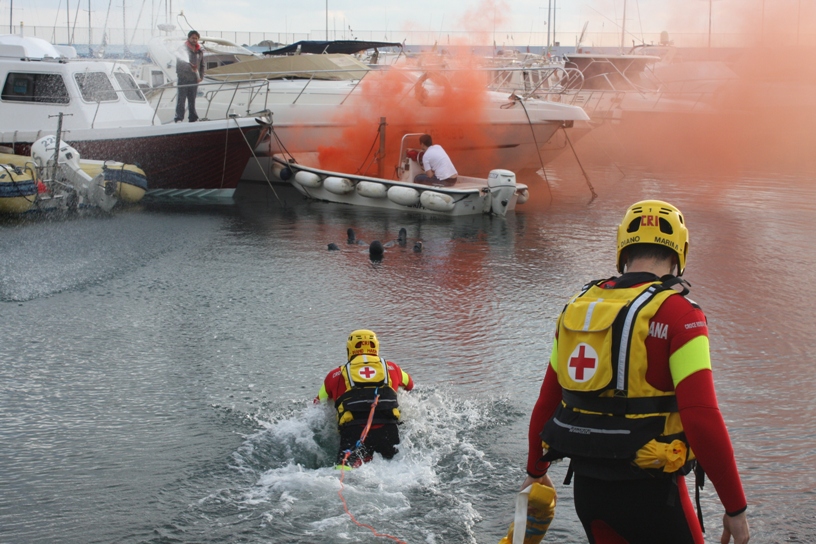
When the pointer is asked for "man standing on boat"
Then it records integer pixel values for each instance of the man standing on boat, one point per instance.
(190, 72)
(629, 397)
(439, 169)
(364, 391)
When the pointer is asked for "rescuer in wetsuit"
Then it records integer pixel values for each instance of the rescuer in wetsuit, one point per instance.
(354, 386)
(629, 397)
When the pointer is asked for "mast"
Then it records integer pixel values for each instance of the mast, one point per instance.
(11, 15)
(124, 30)
(709, 23)
(623, 27)
(68, 19)
(549, 25)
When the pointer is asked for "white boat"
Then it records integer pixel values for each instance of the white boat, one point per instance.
(497, 194)
(107, 117)
(316, 99)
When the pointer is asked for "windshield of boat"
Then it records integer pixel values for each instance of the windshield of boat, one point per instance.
(95, 87)
(129, 87)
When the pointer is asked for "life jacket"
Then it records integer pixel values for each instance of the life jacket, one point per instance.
(366, 377)
(611, 422)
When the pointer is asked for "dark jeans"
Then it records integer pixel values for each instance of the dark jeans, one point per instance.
(186, 93)
(382, 440)
(424, 179)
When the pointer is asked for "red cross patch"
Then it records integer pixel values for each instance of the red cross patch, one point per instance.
(583, 362)
(367, 372)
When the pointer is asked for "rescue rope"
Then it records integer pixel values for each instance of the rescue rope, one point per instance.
(346, 455)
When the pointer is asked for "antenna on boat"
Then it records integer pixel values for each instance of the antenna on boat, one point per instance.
(581, 37)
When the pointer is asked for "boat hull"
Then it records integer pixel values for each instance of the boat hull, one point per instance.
(213, 156)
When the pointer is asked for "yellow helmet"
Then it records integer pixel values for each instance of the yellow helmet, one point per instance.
(362, 342)
(654, 222)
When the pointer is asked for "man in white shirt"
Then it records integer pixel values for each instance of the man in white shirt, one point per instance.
(439, 169)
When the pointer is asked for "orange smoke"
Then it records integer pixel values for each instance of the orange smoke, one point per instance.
(760, 118)
(439, 93)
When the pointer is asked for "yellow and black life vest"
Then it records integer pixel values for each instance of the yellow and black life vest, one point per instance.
(611, 422)
(366, 377)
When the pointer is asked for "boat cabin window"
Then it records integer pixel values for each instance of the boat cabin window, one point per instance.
(27, 87)
(156, 78)
(95, 87)
(214, 61)
(129, 87)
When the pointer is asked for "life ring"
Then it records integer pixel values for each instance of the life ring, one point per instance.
(421, 93)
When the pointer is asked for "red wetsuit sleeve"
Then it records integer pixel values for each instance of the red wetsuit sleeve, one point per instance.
(396, 373)
(708, 437)
(334, 384)
(548, 399)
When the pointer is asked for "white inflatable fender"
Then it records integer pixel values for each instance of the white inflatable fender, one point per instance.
(372, 189)
(307, 179)
(338, 186)
(523, 195)
(406, 196)
(438, 202)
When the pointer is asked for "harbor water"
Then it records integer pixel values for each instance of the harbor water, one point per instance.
(158, 365)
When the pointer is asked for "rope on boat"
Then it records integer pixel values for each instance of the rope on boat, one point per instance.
(226, 142)
(360, 169)
(586, 177)
(254, 156)
(363, 436)
(535, 140)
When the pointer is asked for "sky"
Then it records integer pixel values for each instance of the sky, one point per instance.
(516, 22)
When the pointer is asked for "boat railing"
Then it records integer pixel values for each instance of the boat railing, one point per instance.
(535, 80)
(254, 86)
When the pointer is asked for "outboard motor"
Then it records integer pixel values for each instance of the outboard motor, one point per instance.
(92, 191)
(502, 184)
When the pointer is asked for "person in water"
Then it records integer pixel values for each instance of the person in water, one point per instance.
(353, 387)
(629, 397)
(439, 169)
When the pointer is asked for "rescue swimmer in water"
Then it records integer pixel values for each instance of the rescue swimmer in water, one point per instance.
(376, 249)
(629, 397)
(364, 391)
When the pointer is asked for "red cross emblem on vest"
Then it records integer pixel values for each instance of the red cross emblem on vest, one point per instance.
(366, 372)
(583, 363)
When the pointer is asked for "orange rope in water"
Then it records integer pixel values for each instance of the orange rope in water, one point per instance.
(363, 436)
